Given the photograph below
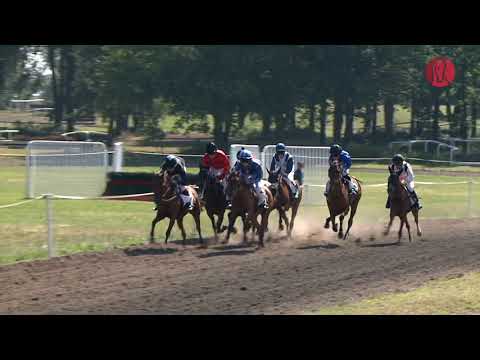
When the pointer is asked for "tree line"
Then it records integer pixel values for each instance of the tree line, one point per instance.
(350, 84)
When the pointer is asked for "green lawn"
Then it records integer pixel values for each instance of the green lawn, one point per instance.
(437, 297)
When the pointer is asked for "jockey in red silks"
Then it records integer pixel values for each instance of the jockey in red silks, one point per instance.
(215, 163)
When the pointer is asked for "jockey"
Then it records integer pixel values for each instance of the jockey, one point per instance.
(176, 170)
(282, 163)
(251, 171)
(217, 164)
(399, 165)
(299, 175)
(338, 154)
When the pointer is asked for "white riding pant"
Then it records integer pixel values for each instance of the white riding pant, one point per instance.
(186, 199)
(291, 182)
(261, 196)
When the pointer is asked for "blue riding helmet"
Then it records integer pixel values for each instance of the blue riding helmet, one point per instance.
(245, 155)
(280, 148)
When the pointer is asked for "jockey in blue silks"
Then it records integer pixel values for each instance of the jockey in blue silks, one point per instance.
(338, 154)
(282, 163)
(251, 172)
(176, 170)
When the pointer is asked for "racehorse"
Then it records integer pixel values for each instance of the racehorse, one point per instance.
(215, 204)
(338, 200)
(170, 205)
(400, 205)
(244, 204)
(283, 200)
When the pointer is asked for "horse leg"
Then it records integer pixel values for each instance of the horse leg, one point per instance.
(263, 225)
(353, 211)
(196, 217)
(334, 224)
(245, 228)
(340, 232)
(408, 228)
(387, 230)
(327, 223)
(212, 219)
(402, 221)
(292, 220)
(280, 220)
(232, 217)
(415, 216)
(283, 215)
(221, 229)
(157, 219)
(182, 229)
(169, 230)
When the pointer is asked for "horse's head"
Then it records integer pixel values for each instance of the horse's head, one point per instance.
(394, 183)
(334, 172)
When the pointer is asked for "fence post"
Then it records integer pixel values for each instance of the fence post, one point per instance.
(51, 240)
(470, 196)
(117, 157)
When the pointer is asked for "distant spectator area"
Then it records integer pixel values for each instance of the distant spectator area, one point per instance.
(27, 105)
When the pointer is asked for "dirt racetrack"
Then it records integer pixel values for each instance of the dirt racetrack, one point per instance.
(287, 277)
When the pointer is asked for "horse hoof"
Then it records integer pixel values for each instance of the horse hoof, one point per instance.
(419, 233)
(340, 235)
(281, 228)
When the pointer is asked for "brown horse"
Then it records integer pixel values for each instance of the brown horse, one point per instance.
(400, 205)
(284, 201)
(170, 205)
(338, 200)
(215, 204)
(244, 204)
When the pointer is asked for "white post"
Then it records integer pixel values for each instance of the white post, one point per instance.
(470, 196)
(117, 157)
(51, 240)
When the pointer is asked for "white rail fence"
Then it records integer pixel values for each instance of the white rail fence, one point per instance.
(49, 204)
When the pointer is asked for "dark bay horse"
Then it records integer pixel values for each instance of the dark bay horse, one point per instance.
(170, 205)
(215, 204)
(283, 201)
(400, 205)
(338, 200)
(244, 204)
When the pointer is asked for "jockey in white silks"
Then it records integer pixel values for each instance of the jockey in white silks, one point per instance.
(177, 171)
(282, 163)
(405, 171)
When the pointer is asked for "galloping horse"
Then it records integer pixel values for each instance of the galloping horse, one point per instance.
(283, 200)
(170, 206)
(215, 204)
(244, 204)
(400, 205)
(338, 200)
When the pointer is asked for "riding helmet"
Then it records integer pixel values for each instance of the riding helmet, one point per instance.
(398, 159)
(245, 155)
(170, 161)
(335, 150)
(211, 148)
(280, 148)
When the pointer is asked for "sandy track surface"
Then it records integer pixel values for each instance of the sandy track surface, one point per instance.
(287, 277)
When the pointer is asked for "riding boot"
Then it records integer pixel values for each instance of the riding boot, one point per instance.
(414, 199)
(388, 203)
